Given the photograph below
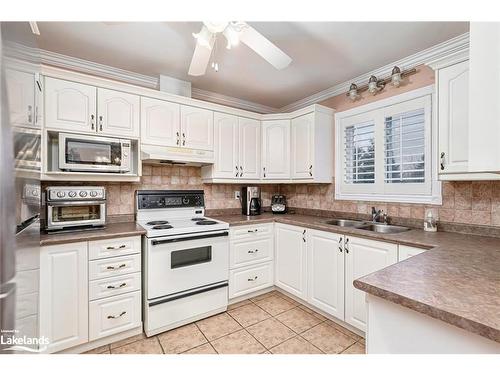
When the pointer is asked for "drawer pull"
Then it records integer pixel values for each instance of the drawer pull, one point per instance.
(117, 287)
(117, 316)
(116, 268)
(116, 247)
(252, 230)
(253, 279)
(253, 251)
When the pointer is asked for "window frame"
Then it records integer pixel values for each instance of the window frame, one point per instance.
(428, 192)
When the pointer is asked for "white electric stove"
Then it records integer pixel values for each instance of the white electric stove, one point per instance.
(185, 259)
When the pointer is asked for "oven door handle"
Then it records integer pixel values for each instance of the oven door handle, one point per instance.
(188, 293)
(75, 203)
(190, 238)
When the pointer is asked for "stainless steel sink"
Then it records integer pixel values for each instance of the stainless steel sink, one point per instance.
(346, 223)
(384, 228)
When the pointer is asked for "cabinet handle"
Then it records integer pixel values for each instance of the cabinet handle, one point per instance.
(346, 245)
(340, 244)
(92, 122)
(183, 139)
(116, 268)
(442, 161)
(30, 114)
(264, 171)
(117, 287)
(236, 171)
(36, 114)
(241, 169)
(253, 251)
(117, 316)
(253, 279)
(252, 230)
(116, 247)
(304, 235)
(178, 139)
(100, 123)
(310, 170)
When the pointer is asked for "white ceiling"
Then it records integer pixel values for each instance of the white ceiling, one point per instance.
(324, 53)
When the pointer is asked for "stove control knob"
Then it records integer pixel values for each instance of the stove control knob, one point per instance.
(83, 194)
(185, 200)
(72, 194)
(93, 193)
(61, 194)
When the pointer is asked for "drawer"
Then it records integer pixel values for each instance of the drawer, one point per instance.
(251, 231)
(26, 304)
(102, 268)
(115, 285)
(250, 279)
(114, 247)
(26, 282)
(114, 314)
(250, 252)
(406, 252)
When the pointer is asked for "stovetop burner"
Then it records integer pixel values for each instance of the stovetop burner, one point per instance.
(198, 219)
(165, 226)
(157, 222)
(206, 222)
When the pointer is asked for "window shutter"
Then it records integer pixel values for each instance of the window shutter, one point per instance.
(404, 146)
(359, 153)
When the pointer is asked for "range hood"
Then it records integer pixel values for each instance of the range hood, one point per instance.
(176, 155)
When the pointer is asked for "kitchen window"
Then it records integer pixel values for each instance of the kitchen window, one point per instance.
(385, 149)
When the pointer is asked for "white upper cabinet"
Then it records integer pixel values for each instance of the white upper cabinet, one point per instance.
(453, 117)
(197, 128)
(226, 164)
(160, 122)
(70, 106)
(249, 148)
(302, 130)
(21, 92)
(118, 113)
(363, 257)
(276, 150)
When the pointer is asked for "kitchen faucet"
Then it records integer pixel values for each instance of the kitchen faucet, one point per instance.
(377, 214)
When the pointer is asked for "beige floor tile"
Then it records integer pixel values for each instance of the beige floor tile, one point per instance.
(270, 332)
(357, 348)
(144, 346)
(181, 339)
(202, 349)
(345, 331)
(275, 305)
(249, 314)
(100, 350)
(129, 340)
(296, 345)
(328, 339)
(240, 342)
(217, 326)
(239, 304)
(362, 341)
(298, 320)
(312, 312)
(286, 298)
(263, 296)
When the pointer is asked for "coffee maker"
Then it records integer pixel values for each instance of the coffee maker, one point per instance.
(250, 200)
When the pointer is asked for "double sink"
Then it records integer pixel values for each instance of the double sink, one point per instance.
(368, 225)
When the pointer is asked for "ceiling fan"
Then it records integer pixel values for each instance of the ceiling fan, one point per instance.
(234, 32)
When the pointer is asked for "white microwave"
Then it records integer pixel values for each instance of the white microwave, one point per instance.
(87, 153)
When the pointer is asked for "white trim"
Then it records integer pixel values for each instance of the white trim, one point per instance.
(231, 101)
(439, 51)
(435, 197)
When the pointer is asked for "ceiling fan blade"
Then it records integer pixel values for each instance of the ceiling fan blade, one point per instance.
(34, 27)
(201, 57)
(267, 50)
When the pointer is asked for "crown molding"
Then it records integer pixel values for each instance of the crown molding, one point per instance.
(458, 44)
(231, 101)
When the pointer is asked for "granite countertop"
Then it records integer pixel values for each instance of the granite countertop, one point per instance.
(110, 231)
(458, 281)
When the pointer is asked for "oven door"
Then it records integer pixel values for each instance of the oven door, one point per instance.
(90, 153)
(62, 215)
(180, 263)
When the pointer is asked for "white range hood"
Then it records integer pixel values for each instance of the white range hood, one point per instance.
(176, 155)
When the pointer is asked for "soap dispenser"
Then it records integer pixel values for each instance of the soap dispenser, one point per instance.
(430, 224)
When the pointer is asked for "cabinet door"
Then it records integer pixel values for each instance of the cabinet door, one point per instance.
(249, 148)
(291, 266)
(325, 271)
(160, 122)
(276, 149)
(302, 129)
(118, 113)
(64, 295)
(70, 106)
(21, 96)
(362, 257)
(226, 146)
(197, 128)
(453, 118)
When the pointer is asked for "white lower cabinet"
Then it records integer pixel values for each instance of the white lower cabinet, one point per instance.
(291, 260)
(362, 257)
(250, 279)
(325, 271)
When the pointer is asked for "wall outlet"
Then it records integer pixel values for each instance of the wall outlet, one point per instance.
(237, 194)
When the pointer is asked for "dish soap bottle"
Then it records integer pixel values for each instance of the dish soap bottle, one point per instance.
(430, 224)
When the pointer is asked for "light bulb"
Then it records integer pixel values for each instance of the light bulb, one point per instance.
(373, 85)
(396, 76)
(353, 92)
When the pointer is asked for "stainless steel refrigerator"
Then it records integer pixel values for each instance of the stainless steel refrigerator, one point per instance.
(20, 138)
